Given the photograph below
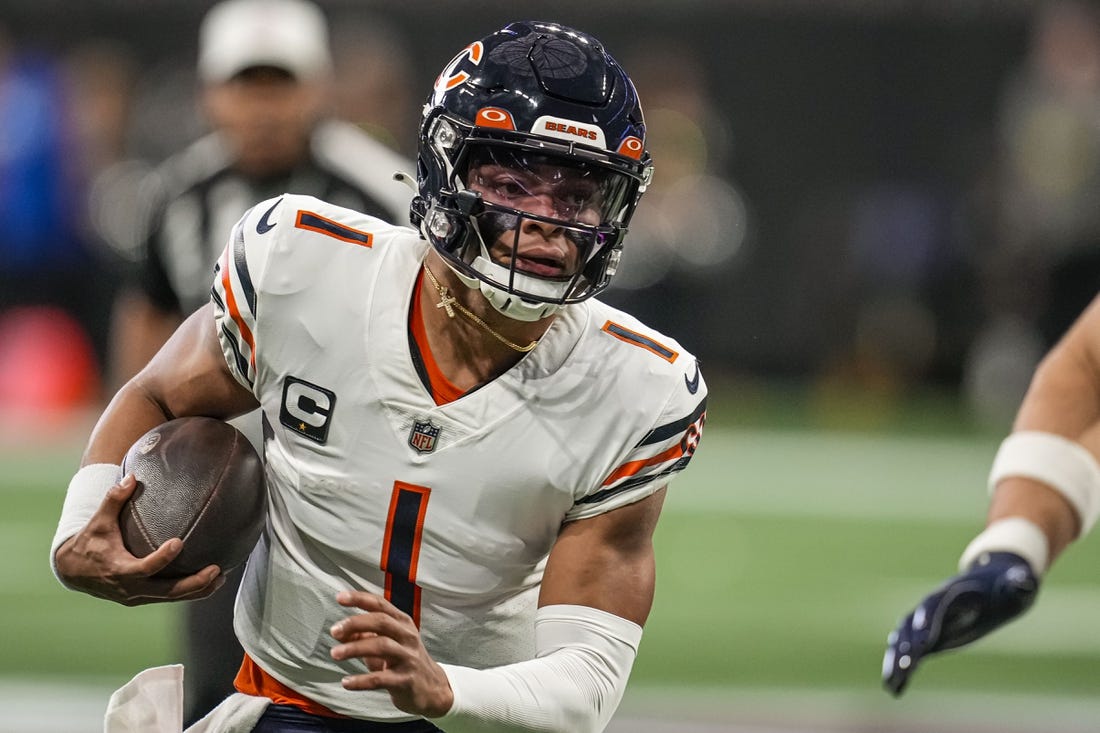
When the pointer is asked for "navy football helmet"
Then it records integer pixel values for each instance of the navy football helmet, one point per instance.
(534, 125)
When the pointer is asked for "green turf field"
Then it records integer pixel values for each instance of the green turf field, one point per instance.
(785, 555)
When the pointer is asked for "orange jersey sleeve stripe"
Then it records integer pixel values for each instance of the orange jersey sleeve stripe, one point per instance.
(235, 311)
(253, 680)
(629, 469)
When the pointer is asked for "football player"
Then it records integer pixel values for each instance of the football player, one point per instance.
(265, 67)
(466, 452)
(1046, 493)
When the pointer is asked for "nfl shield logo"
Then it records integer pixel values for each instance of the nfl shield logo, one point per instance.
(423, 436)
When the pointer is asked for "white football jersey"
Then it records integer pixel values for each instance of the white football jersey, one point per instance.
(450, 510)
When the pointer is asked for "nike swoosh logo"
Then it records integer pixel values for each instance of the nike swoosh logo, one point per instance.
(693, 383)
(263, 227)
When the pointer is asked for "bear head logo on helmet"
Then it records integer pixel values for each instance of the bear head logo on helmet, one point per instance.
(531, 160)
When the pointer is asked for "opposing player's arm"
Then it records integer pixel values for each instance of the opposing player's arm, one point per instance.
(1046, 492)
(1063, 400)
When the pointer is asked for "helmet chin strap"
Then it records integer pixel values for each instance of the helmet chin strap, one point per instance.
(510, 304)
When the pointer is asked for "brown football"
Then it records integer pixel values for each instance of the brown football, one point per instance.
(199, 480)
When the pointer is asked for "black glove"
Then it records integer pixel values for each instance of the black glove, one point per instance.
(997, 588)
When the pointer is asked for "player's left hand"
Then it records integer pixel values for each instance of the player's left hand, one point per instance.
(387, 640)
(997, 587)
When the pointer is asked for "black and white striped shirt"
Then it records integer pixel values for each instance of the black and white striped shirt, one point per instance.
(197, 197)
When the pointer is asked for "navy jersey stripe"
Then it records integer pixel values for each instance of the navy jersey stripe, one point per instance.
(644, 341)
(242, 362)
(401, 546)
(669, 430)
(599, 496)
(316, 223)
(399, 563)
(240, 264)
(214, 288)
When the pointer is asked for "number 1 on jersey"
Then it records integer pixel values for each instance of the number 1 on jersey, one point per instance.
(401, 546)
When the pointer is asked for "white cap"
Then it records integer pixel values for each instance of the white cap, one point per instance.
(287, 34)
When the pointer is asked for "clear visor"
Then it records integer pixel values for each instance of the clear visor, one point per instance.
(543, 225)
(566, 190)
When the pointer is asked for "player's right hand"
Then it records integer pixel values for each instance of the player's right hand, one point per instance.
(998, 587)
(386, 639)
(95, 561)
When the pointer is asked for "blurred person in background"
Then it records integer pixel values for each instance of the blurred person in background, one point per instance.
(1045, 266)
(265, 69)
(1045, 484)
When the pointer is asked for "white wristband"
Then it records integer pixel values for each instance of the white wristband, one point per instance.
(1011, 534)
(1060, 463)
(86, 491)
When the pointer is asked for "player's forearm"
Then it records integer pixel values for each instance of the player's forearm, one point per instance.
(1046, 471)
(1046, 508)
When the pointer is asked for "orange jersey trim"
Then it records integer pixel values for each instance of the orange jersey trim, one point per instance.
(629, 469)
(235, 312)
(253, 680)
(442, 389)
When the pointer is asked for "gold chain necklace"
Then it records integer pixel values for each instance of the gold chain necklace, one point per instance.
(448, 303)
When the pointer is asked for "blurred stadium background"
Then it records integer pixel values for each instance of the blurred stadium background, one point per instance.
(869, 219)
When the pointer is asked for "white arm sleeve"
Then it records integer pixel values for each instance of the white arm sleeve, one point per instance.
(583, 658)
